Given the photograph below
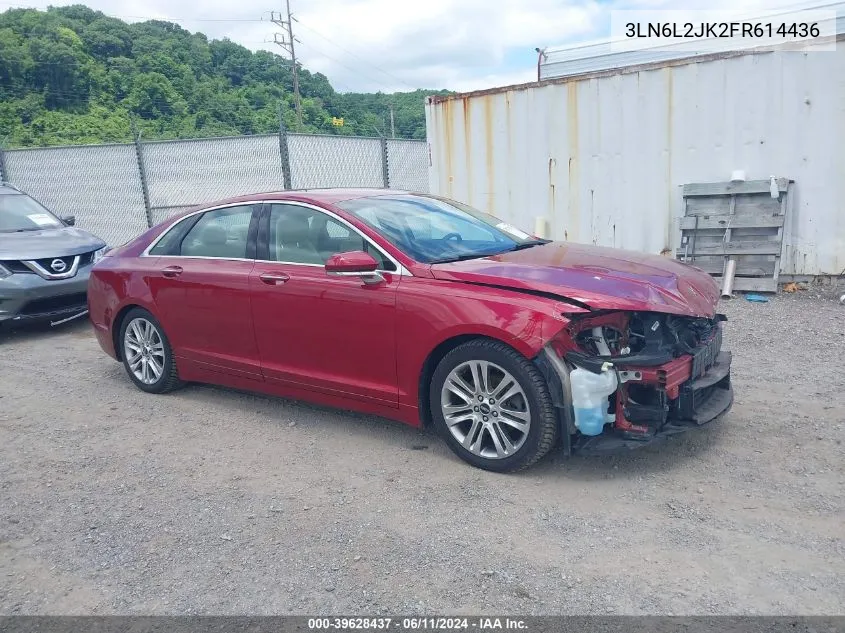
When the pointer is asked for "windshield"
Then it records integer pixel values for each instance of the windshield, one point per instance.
(21, 213)
(433, 230)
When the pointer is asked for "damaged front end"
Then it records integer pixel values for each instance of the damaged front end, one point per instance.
(624, 379)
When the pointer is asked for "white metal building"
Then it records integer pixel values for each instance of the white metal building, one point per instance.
(599, 150)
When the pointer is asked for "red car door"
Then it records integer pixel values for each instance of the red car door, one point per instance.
(201, 291)
(331, 334)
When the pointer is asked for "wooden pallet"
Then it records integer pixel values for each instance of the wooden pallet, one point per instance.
(736, 220)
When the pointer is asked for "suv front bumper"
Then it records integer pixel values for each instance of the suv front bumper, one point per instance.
(28, 297)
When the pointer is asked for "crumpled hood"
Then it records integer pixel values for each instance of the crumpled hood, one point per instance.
(59, 242)
(601, 278)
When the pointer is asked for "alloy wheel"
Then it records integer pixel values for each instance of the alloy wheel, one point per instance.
(485, 409)
(144, 351)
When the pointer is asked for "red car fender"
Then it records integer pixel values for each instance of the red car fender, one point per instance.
(110, 291)
(433, 316)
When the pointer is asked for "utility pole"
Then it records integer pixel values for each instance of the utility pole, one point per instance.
(286, 43)
(392, 126)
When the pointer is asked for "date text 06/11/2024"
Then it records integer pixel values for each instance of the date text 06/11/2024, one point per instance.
(482, 624)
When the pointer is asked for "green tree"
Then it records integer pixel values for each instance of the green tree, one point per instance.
(74, 75)
(153, 97)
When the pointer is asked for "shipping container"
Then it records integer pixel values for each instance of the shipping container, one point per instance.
(601, 156)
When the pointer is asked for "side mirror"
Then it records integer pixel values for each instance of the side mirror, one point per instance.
(69, 220)
(354, 264)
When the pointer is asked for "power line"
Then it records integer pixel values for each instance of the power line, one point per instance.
(337, 61)
(334, 82)
(348, 52)
(288, 45)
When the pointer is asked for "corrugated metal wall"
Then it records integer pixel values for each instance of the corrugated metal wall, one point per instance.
(603, 158)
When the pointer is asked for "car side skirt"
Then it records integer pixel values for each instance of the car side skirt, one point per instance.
(194, 372)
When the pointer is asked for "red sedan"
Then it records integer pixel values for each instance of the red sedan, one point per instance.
(423, 310)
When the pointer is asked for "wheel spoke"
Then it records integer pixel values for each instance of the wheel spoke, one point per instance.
(136, 332)
(458, 387)
(500, 441)
(505, 418)
(511, 392)
(476, 369)
(454, 409)
(505, 383)
(474, 438)
(155, 367)
(133, 359)
(148, 332)
(484, 372)
(525, 416)
(460, 418)
(135, 363)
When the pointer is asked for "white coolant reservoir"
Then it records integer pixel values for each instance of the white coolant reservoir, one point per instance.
(590, 398)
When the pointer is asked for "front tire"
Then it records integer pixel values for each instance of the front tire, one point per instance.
(492, 406)
(146, 353)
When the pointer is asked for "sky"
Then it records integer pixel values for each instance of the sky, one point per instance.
(401, 45)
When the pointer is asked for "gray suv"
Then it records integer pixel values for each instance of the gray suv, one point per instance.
(44, 262)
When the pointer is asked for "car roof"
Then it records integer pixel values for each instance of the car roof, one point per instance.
(327, 196)
(324, 196)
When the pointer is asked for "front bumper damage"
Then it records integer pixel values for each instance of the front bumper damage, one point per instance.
(696, 402)
(651, 402)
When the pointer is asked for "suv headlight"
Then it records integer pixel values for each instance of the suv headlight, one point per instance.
(98, 255)
(4, 272)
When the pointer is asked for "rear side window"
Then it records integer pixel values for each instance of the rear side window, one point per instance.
(170, 243)
(222, 233)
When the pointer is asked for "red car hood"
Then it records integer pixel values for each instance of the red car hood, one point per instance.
(602, 278)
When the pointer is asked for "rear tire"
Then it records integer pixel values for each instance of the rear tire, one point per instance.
(146, 353)
(492, 406)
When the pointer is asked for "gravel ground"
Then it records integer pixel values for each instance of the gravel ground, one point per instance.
(215, 501)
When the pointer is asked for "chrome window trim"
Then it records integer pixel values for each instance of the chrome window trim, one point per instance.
(37, 268)
(400, 269)
(184, 218)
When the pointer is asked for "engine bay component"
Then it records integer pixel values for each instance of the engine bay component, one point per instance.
(641, 339)
(590, 398)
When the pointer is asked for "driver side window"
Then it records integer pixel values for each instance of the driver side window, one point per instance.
(301, 235)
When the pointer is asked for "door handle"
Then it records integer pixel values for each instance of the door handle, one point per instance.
(171, 271)
(273, 279)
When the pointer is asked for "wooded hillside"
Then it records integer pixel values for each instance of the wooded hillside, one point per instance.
(74, 75)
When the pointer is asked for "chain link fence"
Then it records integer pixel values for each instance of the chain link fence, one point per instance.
(118, 191)
(183, 174)
(99, 184)
(407, 164)
(334, 161)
